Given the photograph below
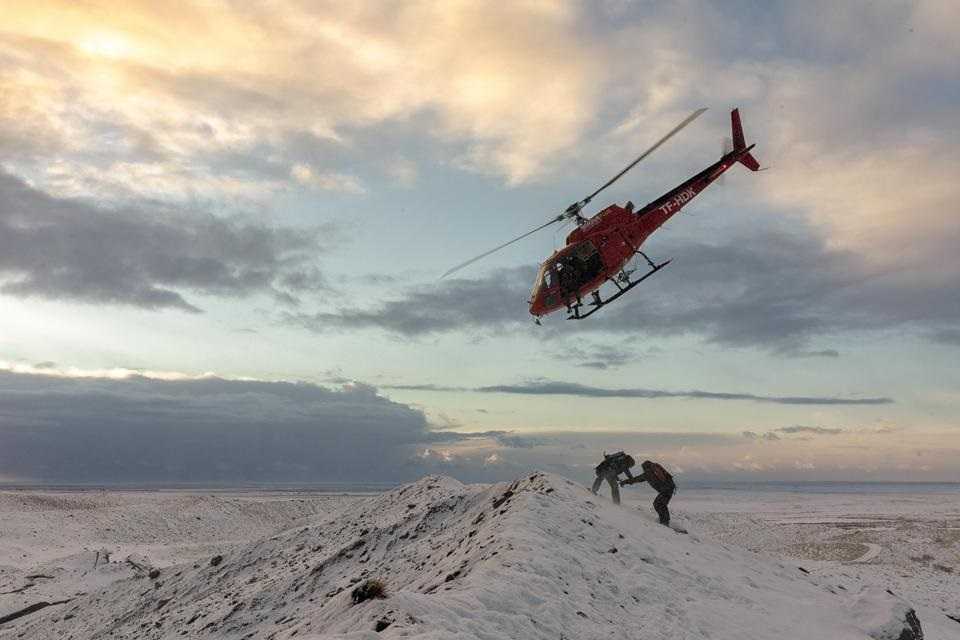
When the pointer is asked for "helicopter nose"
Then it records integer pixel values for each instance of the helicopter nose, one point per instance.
(537, 306)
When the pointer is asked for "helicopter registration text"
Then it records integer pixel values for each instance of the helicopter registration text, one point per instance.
(678, 201)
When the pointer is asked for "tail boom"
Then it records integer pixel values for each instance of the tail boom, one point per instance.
(654, 214)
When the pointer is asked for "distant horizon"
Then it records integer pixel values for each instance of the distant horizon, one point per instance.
(331, 487)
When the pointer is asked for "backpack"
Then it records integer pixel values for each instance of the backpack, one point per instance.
(616, 463)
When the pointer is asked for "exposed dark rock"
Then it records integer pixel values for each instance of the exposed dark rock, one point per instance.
(215, 560)
(912, 631)
(506, 496)
(886, 616)
(36, 606)
(370, 589)
(382, 624)
(18, 589)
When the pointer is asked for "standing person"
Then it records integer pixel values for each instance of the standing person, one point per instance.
(610, 469)
(662, 483)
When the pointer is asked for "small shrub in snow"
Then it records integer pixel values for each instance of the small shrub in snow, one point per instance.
(368, 590)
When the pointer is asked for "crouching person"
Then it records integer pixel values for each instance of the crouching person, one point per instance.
(661, 482)
(610, 469)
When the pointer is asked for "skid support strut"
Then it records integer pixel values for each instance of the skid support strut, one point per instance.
(622, 287)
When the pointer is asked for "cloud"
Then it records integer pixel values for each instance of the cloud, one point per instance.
(306, 176)
(946, 336)
(777, 286)
(796, 429)
(75, 427)
(449, 305)
(138, 102)
(549, 388)
(214, 77)
(146, 256)
(596, 356)
(140, 429)
(813, 430)
(574, 389)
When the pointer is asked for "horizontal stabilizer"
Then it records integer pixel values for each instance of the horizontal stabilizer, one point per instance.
(740, 144)
(749, 162)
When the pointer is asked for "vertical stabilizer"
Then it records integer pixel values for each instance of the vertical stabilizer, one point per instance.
(739, 144)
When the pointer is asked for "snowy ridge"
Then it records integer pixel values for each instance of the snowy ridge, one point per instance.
(537, 558)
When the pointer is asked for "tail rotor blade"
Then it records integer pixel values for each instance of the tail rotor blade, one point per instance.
(693, 116)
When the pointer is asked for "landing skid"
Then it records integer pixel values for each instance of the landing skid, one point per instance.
(598, 303)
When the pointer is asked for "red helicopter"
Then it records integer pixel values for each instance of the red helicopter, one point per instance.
(600, 248)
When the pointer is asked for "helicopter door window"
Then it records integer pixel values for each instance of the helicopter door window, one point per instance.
(589, 262)
(549, 278)
(580, 266)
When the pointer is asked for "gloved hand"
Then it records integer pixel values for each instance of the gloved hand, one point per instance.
(624, 483)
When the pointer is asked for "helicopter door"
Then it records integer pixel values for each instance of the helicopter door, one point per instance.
(579, 266)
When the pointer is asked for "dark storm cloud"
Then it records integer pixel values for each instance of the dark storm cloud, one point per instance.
(147, 257)
(449, 305)
(140, 429)
(776, 286)
(554, 388)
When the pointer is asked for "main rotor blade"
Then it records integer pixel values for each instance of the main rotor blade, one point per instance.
(693, 116)
(505, 244)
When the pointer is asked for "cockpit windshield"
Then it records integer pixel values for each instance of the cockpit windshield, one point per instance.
(570, 269)
(545, 278)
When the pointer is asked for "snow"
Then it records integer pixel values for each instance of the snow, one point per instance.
(537, 558)
(907, 541)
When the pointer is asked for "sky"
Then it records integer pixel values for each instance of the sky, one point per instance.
(223, 225)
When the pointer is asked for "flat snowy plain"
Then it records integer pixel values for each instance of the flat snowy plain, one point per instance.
(905, 537)
(547, 560)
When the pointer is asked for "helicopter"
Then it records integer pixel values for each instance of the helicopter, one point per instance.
(600, 248)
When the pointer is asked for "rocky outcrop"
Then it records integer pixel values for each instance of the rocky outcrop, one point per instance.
(886, 616)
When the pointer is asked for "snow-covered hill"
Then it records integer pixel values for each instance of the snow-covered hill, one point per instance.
(537, 558)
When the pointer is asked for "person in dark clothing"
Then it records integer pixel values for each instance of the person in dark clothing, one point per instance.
(610, 469)
(661, 482)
